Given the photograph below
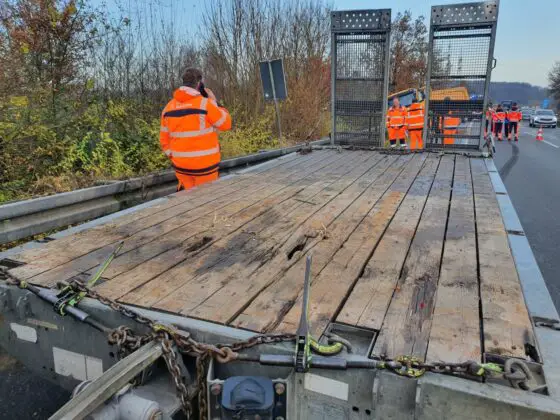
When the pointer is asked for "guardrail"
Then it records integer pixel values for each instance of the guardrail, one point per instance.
(22, 219)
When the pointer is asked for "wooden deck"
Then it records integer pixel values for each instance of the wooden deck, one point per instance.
(411, 247)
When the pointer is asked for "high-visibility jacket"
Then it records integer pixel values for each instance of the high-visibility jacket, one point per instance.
(514, 115)
(499, 116)
(450, 125)
(188, 132)
(489, 114)
(396, 123)
(415, 116)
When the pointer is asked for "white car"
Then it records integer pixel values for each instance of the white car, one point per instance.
(543, 118)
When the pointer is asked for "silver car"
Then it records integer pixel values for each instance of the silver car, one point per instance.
(543, 118)
(527, 112)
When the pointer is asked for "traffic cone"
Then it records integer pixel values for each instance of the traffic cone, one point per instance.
(540, 134)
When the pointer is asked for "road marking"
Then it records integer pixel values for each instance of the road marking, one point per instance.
(551, 144)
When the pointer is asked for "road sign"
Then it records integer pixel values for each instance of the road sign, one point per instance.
(545, 103)
(273, 71)
(274, 85)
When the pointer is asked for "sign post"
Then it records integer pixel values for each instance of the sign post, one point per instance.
(274, 85)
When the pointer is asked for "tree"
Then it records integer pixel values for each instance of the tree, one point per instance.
(554, 82)
(48, 42)
(409, 47)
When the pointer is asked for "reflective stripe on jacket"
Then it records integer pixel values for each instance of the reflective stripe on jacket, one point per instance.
(415, 116)
(396, 117)
(188, 132)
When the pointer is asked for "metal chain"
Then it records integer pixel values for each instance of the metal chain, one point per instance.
(125, 339)
(128, 342)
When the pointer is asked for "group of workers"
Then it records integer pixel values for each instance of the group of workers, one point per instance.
(503, 121)
(402, 121)
(191, 120)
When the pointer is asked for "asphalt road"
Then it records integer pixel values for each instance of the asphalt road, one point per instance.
(530, 170)
(531, 173)
(24, 395)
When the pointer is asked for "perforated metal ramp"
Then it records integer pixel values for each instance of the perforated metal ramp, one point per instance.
(461, 50)
(360, 69)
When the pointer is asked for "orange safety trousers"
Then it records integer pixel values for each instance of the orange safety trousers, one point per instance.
(416, 139)
(189, 181)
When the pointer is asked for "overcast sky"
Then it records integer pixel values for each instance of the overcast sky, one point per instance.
(526, 47)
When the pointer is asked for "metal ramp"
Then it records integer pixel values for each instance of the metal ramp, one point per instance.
(461, 55)
(360, 76)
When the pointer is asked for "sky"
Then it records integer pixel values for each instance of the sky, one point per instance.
(527, 38)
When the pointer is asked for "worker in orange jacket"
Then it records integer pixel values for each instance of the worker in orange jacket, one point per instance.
(514, 116)
(499, 119)
(396, 123)
(415, 124)
(188, 134)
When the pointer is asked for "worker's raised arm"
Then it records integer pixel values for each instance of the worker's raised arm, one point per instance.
(218, 116)
(164, 135)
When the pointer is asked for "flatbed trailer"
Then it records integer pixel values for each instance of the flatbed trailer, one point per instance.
(416, 254)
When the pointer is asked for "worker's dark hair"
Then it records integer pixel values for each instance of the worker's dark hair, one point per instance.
(415, 100)
(514, 104)
(192, 77)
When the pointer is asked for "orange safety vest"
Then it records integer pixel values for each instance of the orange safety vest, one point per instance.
(514, 116)
(396, 117)
(499, 116)
(188, 132)
(415, 117)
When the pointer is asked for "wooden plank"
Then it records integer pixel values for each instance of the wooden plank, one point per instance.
(230, 300)
(246, 219)
(370, 297)
(270, 306)
(505, 320)
(455, 324)
(225, 267)
(174, 231)
(235, 215)
(62, 250)
(415, 289)
(332, 286)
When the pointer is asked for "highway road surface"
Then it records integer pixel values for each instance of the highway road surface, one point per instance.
(531, 173)
(530, 170)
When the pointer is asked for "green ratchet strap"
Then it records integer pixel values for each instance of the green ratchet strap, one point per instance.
(325, 350)
(69, 297)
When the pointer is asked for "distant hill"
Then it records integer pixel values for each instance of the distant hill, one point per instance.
(522, 93)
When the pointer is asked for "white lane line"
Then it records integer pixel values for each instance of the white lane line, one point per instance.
(551, 144)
